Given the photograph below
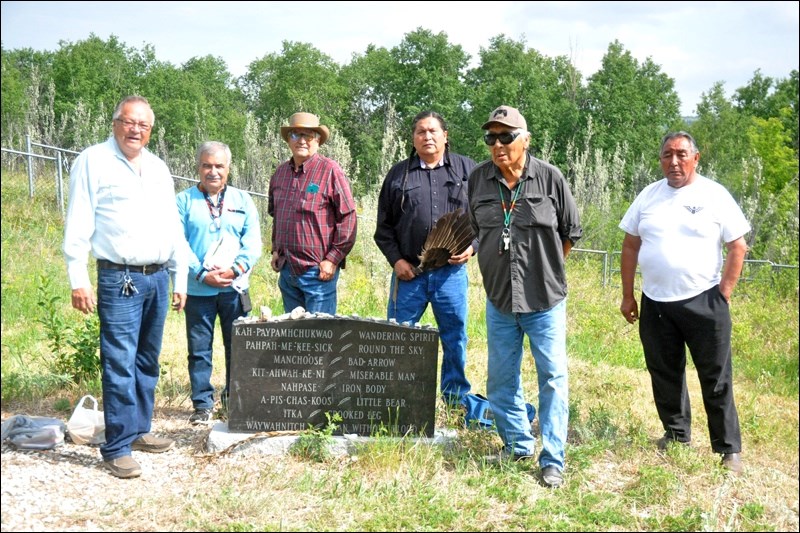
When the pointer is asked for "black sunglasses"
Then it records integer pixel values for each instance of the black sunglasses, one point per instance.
(507, 137)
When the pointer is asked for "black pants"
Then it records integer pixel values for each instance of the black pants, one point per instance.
(703, 323)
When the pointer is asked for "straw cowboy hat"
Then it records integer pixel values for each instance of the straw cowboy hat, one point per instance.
(306, 121)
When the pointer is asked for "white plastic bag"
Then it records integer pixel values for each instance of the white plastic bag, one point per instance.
(87, 425)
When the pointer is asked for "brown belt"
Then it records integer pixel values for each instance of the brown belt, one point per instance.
(142, 269)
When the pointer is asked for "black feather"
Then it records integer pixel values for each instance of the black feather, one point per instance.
(451, 235)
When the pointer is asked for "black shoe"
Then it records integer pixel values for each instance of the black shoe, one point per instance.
(665, 441)
(201, 417)
(552, 477)
(732, 462)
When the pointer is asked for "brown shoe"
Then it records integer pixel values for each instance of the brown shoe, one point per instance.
(150, 443)
(124, 467)
(732, 462)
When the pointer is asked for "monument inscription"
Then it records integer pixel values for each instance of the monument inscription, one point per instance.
(286, 375)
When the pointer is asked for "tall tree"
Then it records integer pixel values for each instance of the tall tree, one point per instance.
(631, 104)
(721, 134)
(300, 78)
(545, 90)
(96, 72)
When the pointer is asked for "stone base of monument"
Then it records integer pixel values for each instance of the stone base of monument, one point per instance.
(273, 443)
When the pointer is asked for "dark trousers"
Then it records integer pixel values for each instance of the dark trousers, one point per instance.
(703, 323)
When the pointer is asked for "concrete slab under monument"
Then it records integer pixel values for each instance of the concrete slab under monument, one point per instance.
(220, 440)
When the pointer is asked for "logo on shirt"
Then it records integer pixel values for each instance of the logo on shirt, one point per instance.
(693, 210)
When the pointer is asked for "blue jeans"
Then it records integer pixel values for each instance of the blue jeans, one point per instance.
(131, 329)
(201, 315)
(307, 291)
(547, 333)
(446, 290)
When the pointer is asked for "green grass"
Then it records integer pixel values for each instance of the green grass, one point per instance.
(615, 477)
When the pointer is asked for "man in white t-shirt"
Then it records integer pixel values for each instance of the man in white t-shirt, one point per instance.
(675, 230)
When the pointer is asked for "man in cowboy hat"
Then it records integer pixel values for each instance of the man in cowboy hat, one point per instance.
(314, 219)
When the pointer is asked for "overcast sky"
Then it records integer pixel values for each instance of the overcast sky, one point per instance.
(695, 43)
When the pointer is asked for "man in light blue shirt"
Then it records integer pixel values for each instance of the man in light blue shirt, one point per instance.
(122, 209)
(222, 228)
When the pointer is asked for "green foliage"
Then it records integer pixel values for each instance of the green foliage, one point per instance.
(631, 105)
(546, 91)
(75, 349)
(314, 443)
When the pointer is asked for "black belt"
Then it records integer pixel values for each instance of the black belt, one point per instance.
(142, 269)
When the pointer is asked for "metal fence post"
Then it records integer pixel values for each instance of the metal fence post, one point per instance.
(30, 164)
(60, 186)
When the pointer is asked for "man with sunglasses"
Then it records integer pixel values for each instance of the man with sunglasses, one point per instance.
(122, 209)
(314, 219)
(415, 194)
(527, 222)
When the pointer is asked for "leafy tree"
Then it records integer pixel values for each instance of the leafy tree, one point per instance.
(631, 104)
(783, 103)
(194, 103)
(95, 72)
(14, 101)
(758, 99)
(770, 142)
(423, 72)
(300, 78)
(426, 73)
(363, 118)
(753, 98)
(26, 74)
(721, 135)
(546, 91)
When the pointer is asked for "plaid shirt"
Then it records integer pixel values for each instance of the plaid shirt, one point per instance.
(314, 215)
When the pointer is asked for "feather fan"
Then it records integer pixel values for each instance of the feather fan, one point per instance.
(451, 235)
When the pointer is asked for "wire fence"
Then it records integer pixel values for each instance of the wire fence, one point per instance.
(609, 261)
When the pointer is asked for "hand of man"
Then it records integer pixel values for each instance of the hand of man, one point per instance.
(326, 270)
(403, 270)
(83, 300)
(276, 263)
(629, 309)
(461, 258)
(178, 301)
(219, 277)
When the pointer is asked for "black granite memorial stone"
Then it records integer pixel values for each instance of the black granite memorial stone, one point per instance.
(286, 375)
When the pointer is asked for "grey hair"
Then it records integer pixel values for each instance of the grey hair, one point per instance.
(212, 147)
(135, 98)
(674, 135)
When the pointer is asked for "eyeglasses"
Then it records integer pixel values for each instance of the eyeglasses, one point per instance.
(129, 124)
(297, 135)
(507, 137)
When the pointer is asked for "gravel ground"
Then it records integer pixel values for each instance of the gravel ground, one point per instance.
(69, 489)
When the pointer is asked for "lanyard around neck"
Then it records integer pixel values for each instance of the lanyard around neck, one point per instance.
(514, 196)
(215, 217)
